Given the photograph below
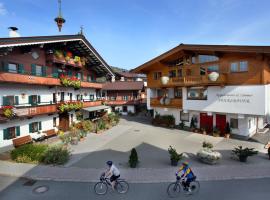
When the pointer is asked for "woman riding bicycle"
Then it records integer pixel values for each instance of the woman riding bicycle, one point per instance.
(113, 172)
(188, 175)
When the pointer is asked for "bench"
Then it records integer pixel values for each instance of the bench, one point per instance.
(22, 140)
(50, 133)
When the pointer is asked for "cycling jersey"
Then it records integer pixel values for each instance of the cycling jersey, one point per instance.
(186, 172)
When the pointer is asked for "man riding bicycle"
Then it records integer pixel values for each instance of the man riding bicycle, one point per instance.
(113, 172)
(188, 175)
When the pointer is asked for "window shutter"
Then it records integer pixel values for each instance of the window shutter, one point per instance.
(39, 126)
(38, 99)
(55, 72)
(5, 66)
(20, 68)
(81, 76)
(5, 134)
(77, 75)
(30, 128)
(16, 100)
(69, 73)
(33, 69)
(30, 100)
(5, 101)
(18, 131)
(44, 70)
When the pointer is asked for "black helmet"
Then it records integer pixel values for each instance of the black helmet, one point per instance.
(109, 163)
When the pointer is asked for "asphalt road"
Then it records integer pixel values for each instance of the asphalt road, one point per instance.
(251, 189)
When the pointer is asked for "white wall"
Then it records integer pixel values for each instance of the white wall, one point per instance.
(255, 97)
(46, 124)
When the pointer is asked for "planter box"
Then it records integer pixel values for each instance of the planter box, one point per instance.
(208, 156)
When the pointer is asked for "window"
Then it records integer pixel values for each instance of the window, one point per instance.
(62, 96)
(178, 93)
(12, 68)
(202, 71)
(78, 97)
(213, 68)
(34, 99)
(10, 100)
(241, 66)
(172, 73)
(54, 97)
(125, 98)
(193, 59)
(234, 67)
(234, 123)
(38, 70)
(197, 94)
(207, 58)
(11, 132)
(180, 72)
(35, 127)
(79, 75)
(160, 93)
(54, 122)
(124, 108)
(184, 116)
(157, 75)
(91, 97)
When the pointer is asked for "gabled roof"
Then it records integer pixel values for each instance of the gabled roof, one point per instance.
(123, 85)
(131, 75)
(81, 45)
(204, 48)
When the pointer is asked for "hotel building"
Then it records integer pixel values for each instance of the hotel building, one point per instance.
(213, 84)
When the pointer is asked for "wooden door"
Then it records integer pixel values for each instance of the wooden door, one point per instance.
(206, 122)
(221, 123)
(64, 121)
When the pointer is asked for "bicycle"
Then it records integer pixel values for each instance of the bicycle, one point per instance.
(174, 189)
(101, 187)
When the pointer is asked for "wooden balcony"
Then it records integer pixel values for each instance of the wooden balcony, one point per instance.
(174, 103)
(52, 58)
(35, 110)
(189, 81)
(91, 103)
(123, 102)
(36, 80)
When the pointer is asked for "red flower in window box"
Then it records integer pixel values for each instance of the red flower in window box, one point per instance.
(8, 111)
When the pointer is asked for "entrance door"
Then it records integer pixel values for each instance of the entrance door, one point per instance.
(221, 123)
(64, 121)
(206, 122)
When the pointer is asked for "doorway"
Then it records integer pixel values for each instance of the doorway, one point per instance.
(64, 121)
(221, 123)
(206, 122)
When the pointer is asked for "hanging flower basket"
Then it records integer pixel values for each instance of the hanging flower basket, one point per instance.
(69, 106)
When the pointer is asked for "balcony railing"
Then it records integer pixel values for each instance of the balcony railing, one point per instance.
(173, 103)
(37, 80)
(23, 111)
(123, 102)
(54, 59)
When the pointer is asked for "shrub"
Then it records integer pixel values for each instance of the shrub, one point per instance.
(208, 145)
(87, 125)
(242, 154)
(181, 125)
(101, 125)
(174, 156)
(56, 155)
(29, 153)
(133, 158)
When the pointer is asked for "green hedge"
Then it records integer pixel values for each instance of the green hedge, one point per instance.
(40, 153)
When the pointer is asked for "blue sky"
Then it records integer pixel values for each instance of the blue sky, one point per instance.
(128, 33)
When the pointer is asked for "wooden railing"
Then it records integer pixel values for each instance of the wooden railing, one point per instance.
(36, 80)
(123, 102)
(174, 103)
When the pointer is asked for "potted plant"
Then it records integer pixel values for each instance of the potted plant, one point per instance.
(244, 153)
(182, 125)
(207, 154)
(174, 156)
(133, 158)
(216, 132)
(227, 130)
(74, 135)
(203, 131)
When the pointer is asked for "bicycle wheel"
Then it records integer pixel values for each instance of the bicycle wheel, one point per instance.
(173, 190)
(122, 187)
(101, 188)
(194, 187)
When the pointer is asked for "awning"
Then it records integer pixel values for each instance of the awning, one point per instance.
(95, 108)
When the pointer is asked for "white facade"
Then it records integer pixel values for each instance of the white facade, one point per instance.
(130, 109)
(248, 105)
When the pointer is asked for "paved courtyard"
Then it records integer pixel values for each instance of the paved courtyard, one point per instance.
(151, 144)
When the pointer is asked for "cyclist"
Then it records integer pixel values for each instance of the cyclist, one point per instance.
(187, 175)
(113, 172)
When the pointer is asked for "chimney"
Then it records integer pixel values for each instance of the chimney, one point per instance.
(13, 32)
